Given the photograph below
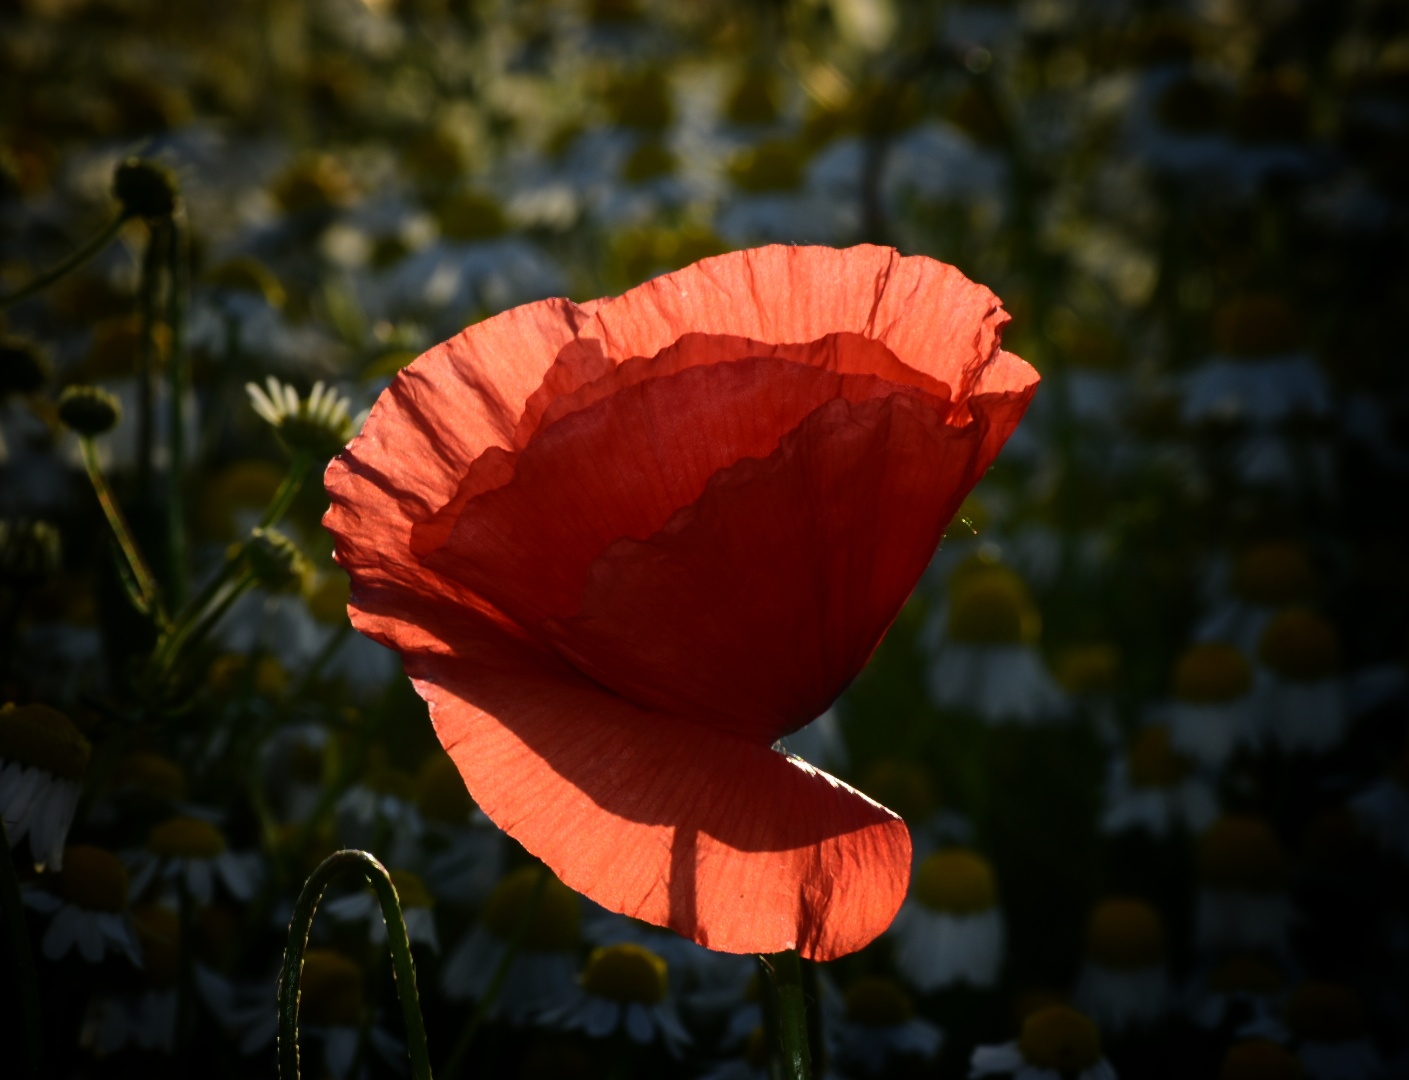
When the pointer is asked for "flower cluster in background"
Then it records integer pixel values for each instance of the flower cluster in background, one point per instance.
(1145, 716)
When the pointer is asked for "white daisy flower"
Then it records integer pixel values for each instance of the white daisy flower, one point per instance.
(1124, 982)
(380, 810)
(416, 903)
(1242, 900)
(87, 907)
(988, 661)
(1210, 714)
(949, 930)
(543, 971)
(1245, 984)
(464, 849)
(43, 757)
(1055, 1041)
(1330, 1033)
(1259, 1059)
(623, 987)
(880, 1026)
(1264, 579)
(194, 854)
(1300, 701)
(1383, 808)
(1090, 675)
(1154, 788)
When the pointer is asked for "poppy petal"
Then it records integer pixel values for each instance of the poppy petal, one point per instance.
(732, 844)
(758, 604)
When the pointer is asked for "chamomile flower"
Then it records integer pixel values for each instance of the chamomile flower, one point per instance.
(988, 662)
(194, 853)
(43, 757)
(1210, 712)
(1382, 809)
(416, 904)
(1300, 703)
(1124, 982)
(949, 930)
(320, 424)
(1328, 1029)
(543, 971)
(1245, 986)
(1264, 579)
(1260, 1059)
(1054, 1041)
(332, 1007)
(1155, 788)
(465, 850)
(148, 1018)
(87, 906)
(1242, 899)
(623, 987)
(880, 1026)
(380, 808)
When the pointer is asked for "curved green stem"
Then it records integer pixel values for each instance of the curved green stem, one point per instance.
(403, 966)
(141, 573)
(288, 489)
(451, 1068)
(73, 262)
(23, 974)
(785, 971)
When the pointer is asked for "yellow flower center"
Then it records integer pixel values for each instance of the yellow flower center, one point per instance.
(992, 607)
(1212, 674)
(36, 735)
(1060, 1038)
(1260, 1059)
(153, 773)
(1246, 974)
(330, 990)
(1261, 324)
(1300, 646)
(1088, 669)
(159, 932)
(441, 792)
(625, 973)
(1125, 934)
(1242, 853)
(1325, 1012)
(956, 881)
(904, 786)
(556, 924)
(186, 838)
(1273, 574)
(411, 890)
(93, 879)
(1152, 762)
(878, 1002)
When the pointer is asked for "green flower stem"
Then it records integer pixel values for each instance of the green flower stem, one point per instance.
(73, 262)
(402, 965)
(147, 358)
(456, 1060)
(21, 966)
(288, 489)
(785, 971)
(176, 384)
(196, 622)
(141, 573)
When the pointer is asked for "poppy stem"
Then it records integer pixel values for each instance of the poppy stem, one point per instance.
(785, 971)
(403, 967)
(22, 958)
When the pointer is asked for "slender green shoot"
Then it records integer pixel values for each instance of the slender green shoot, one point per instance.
(99, 241)
(141, 574)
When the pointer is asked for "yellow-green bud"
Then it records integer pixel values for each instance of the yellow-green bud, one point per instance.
(276, 561)
(89, 410)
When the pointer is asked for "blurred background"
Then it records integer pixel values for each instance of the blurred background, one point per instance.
(1145, 715)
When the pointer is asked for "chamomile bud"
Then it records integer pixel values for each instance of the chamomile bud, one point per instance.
(146, 189)
(89, 410)
(276, 561)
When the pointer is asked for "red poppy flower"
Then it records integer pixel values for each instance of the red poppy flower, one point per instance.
(625, 546)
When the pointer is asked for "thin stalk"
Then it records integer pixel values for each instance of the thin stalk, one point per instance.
(288, 489)
(453, 1063)
(73, 262)
(785, 971)
(403, 966)
(196, 623)
(176, 387)
(22, 969)
(141, 573)
(146, 360)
